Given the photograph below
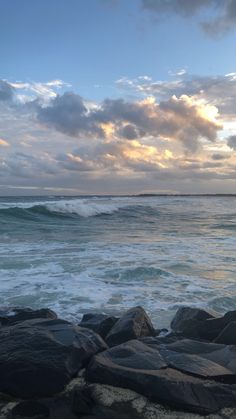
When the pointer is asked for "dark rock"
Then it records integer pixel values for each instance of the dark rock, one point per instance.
(228, 335)
(163, 339)
(119, 403)
(198, 324)
(30, 409)
(213, 327)
(99, 323)
(197, 365)
(133, 324)
(60, 407)
(180, 380)
(14, 315)
(187, 313)
(82, 402)
(38, 357)
(187, 321)
(224, 355)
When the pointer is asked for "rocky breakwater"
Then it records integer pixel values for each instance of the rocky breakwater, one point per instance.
(112, 368)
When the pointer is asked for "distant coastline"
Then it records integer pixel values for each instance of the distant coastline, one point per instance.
(145, 195)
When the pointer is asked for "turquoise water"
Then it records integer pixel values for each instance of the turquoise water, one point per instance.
(76, 255)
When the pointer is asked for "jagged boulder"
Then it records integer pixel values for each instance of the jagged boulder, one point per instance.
(227, 335)
(98, 322)
(189, 380)
(199, 324)
(133, 324)
(38, 357)
(14, 315)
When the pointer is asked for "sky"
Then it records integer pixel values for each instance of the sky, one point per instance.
(117, 97)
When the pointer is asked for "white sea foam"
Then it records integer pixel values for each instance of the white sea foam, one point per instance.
(82, 207)
(161, 259)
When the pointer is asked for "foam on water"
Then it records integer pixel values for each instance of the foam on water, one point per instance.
(157, 252)
(82, 207)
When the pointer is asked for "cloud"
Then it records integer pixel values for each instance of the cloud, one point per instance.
(183, 119)
(217, 90)
(182, 7)
(223, 12)
(232, 142)
(68, 114)
(22, 165)
(117, 145)
(224, 22)
(4, 143)
(120, 156)
(28, 91)
(130, 132)
(6, 91)
(217, 156)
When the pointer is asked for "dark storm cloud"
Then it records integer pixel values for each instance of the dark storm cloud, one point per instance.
(6, 91)
(224, 11)
(232, 141)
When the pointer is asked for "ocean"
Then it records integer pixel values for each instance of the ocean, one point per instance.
(106, 254)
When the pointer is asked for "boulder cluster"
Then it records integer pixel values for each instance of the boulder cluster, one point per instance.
(117, 368)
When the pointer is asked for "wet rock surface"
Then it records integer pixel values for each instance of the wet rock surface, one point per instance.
(38, 357)
(99, 323)
(15, 315)
(134, 324)
(51, 368)
(190, 382)
(199, 324)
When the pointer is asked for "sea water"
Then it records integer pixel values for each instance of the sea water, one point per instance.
(106, 254)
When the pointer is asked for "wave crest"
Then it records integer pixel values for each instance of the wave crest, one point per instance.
(80, 207)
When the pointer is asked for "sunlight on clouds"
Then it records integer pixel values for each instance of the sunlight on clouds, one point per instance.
(168, 154)
(76, 159)
(108, 129)
(136, 151)
(178, 137)
(208, 112)
(150, 100)
(4, 143)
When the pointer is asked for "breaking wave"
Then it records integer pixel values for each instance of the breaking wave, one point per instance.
(79, 207)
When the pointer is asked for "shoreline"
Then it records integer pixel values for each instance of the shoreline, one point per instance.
(108, 367)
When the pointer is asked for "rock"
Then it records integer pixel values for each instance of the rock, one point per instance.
(180, 380)
(213, 327)
(188, 320)
(14, 315)
(228, 335)
(99, 323)
(197, 365)
(39, 357)
(82, 402)
(223, 355)
(199, 324)
(109, 402)
(187, 313)
(130, 404)
(30, 409)
(133, 324)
